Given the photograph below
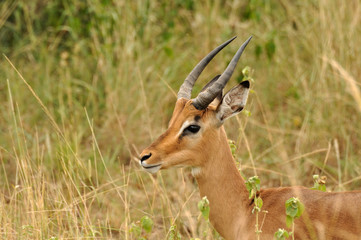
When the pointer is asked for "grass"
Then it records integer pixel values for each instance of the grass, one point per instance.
(96, 83)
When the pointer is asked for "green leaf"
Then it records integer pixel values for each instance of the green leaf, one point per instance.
(246, 71)
(250, 190)
(252, 193)
(291, 211)
(270, 48)
(174, 234)
(168, 51)
(319, 183)
(253, 185)
(203, 206)
(294, 208)
(233, 147)
(281, 234)
(289, 221)
(257, 183)
(146, 223)
(247, 74)
(247, 113)
(134, 228)
(259, 202)
(301, 209)
(258, 51)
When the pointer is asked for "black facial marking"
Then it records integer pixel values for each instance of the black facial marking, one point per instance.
(245, 84)
(197, 118)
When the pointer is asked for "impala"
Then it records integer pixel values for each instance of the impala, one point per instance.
(196, 138)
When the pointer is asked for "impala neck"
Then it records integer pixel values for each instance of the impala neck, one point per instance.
(220, 180)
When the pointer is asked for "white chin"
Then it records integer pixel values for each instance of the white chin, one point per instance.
(152, 169)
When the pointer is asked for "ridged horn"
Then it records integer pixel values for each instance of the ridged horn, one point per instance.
(205, 98)
(185, 90)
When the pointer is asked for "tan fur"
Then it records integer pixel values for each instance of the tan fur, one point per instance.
(326, 216)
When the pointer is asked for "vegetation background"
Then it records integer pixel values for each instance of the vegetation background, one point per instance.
(96, 83)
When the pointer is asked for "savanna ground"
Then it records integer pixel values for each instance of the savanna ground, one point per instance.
(96, 83)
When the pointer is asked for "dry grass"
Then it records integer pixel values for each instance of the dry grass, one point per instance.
(85, 100)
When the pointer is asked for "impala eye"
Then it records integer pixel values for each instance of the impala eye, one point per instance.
(191, 129)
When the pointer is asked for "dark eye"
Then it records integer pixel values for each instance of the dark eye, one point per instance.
(192, 129)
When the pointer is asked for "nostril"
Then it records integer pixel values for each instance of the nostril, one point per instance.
(145, 157)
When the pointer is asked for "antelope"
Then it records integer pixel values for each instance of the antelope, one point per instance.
(196, 138)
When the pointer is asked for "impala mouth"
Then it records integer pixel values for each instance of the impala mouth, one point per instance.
(152, 168)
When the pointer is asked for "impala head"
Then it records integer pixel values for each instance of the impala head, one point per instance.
(194, 130)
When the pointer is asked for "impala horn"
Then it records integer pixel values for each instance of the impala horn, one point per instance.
(206, 97)
(185, 90)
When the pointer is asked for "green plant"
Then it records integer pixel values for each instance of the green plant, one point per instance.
(246, 75)
(270, 47)
(253, 185)
(233, 148)
(203, 206)
(135, 229)
(145, 224)
(174, 233)
(319, 183)
(281, 234)
(294, 209)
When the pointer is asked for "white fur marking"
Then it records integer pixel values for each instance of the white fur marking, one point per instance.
(153, 169)
(196, 171)
(184, 125)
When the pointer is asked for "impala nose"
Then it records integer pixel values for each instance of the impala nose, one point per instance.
(145, 157)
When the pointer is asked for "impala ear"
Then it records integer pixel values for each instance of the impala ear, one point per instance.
(233, 101)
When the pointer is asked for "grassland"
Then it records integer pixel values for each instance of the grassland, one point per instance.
(86, 85)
